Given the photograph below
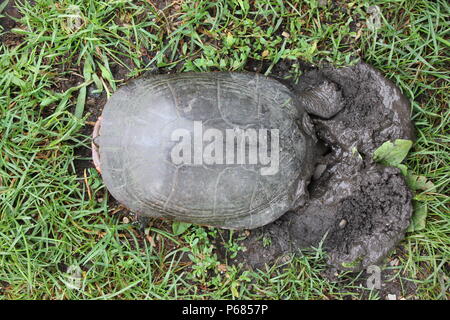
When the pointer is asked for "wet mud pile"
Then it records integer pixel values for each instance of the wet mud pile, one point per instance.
(358, 210)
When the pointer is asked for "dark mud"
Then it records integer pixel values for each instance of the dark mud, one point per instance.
(359, 219)
(358, 210)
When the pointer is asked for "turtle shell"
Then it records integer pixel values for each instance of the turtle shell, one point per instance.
(182, 147)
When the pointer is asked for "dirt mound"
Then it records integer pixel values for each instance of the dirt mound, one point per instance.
(373, 109)
(372, 220)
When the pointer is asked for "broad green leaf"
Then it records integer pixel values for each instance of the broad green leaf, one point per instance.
(419, 216)
(179, 228)
(419, 183)
(392, 154)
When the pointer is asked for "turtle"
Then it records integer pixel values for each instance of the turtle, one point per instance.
(234, 150)
(299, 168)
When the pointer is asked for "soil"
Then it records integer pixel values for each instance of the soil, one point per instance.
(359, 221)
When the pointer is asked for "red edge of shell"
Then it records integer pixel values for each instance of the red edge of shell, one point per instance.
(95, 151)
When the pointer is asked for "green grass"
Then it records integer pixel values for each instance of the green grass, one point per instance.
(53, 216)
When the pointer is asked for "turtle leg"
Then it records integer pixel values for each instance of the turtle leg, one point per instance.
(318, 95)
